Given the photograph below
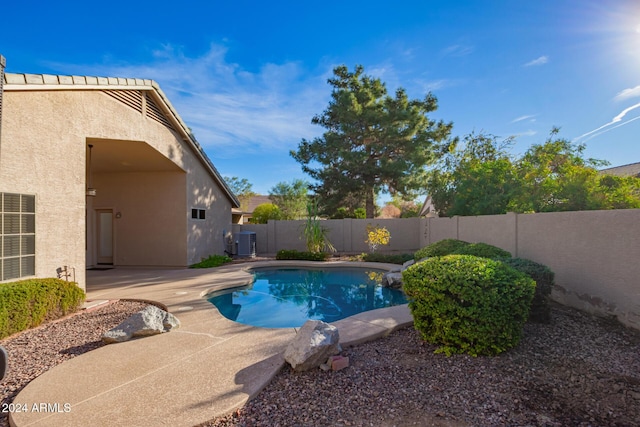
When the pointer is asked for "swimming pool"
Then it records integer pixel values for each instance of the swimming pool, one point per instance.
(287, 297)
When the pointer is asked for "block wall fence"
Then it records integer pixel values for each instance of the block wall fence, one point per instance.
(595, 254)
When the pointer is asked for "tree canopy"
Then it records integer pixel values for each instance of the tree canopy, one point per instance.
(264, 212)
(291, 198)
(372, 142)
(242, 188)
(481, 178)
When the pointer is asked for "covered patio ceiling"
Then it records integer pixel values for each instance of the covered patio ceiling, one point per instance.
(117, 156)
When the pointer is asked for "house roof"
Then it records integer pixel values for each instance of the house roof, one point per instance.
(23, 82)
(632, 169)
(256, 201)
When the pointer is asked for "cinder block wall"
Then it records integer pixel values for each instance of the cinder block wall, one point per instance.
(594, 254)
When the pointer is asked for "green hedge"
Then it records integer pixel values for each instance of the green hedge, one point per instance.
(440, 248)
(483, 250)
(388, 258)
(460, 247)
(28, 303)
(544, 278)
(468, 304)
(306, 256)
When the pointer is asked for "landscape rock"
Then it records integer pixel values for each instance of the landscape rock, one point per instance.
(408, 264)
(392, 280)
(150, 321)
(312, 345)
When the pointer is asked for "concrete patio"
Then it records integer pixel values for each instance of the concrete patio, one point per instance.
(206, 368)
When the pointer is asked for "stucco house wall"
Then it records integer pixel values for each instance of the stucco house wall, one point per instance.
(145, 166)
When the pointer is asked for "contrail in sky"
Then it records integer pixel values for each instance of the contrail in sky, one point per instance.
(608, 126)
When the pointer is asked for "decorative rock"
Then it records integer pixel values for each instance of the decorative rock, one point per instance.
(3, 362)
(408, 264)
(150, 321)
(338, 362)
(392, 280)
(312, 345)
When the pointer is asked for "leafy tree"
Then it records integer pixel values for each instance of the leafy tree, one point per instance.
(617, 192)
(242, 188)
(482, 179)
(555, 177)
(478, 178)
(291, 198)
(372, 141)
(407, 205)
(264, 212)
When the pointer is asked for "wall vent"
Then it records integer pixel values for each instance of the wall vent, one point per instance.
(154, 112)
(130, 98)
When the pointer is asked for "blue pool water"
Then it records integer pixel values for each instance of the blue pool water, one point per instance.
(288, 297)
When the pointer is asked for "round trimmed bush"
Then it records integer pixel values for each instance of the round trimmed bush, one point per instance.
(468, 304)
(482, 250)
(440, 248)
(544, 278)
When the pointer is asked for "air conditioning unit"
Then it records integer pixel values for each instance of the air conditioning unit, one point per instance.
(246, 241)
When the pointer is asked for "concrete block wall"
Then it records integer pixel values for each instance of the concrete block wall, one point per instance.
(594, 254)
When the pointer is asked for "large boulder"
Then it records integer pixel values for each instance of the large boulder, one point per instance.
(312, 345)
(150, 321)
(392, 279)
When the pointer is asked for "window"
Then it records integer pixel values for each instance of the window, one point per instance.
(17, 236)
(197, 214)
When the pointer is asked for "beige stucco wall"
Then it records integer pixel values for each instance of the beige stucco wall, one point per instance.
(594, 255)
(43, 154)
(151, 229)
(44, 138)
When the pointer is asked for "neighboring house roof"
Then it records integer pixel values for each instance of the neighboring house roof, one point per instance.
(428, 209)
(632, 169)
(166, 112)
(256, 201)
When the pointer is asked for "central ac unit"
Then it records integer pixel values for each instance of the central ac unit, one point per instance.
(246, 242)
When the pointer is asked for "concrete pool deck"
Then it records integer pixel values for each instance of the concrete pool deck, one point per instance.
(206, 368)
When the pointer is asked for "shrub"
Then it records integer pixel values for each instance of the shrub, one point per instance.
(388, 258)
(212, 261)
(544, 278)
(297, 255)
(468, 304)
(377, 236)
(264, 212)
(314, 233)
(440, 248)
(28, 303)
(483, 250)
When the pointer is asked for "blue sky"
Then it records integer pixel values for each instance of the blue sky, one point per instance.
(248, 76)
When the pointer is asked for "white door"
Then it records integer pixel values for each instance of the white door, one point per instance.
(104, 229)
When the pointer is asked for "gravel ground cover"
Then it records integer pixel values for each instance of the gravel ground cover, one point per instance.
(579, 370)
(33, 352)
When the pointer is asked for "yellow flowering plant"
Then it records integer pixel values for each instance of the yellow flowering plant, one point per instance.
(377, 236)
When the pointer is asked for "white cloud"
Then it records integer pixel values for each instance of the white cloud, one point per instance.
(625, 94)
(538, 61)
(229, 109)
(457, 50)
(530, 117)
(529, 132)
